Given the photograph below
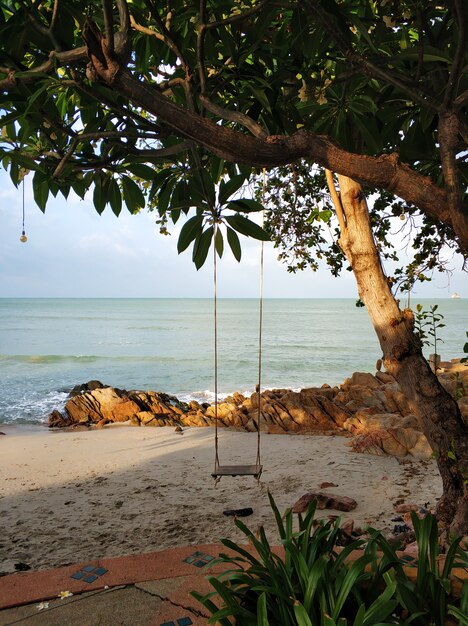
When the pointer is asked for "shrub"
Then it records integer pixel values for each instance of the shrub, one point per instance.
(317, 583)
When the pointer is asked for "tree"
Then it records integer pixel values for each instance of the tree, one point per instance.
(157, 103)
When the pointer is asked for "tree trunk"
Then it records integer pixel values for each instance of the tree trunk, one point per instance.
(438, 413)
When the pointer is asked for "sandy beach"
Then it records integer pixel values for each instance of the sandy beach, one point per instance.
(71, 496)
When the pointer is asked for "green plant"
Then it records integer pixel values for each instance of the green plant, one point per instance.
(318, 583)
(427, 324)
(426, 598)
(465, 350)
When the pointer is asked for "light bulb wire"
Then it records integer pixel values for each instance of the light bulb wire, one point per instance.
(23, 206)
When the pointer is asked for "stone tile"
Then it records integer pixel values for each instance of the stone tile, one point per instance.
(126, 606)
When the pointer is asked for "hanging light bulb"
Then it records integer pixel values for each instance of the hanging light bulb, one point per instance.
(23, 237)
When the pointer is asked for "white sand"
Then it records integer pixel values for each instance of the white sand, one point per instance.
(67, 497)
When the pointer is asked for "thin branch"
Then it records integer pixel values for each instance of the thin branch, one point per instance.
(461, 100)
(201, 47)
(165, 35)
(340, 214)
(458, 61)
(47, 32)
(122, 38)
(53, 21)
(156, 153)
(61, 58)
(239, 16)
(235, 116)
(107, 10)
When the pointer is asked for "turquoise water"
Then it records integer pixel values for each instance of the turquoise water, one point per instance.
(49, 345)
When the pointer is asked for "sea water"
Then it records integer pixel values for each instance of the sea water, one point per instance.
(49, 345)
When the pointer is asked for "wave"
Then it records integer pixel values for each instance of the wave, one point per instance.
(89, 358)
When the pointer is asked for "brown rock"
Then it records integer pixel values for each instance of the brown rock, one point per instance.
(406, 507)
(392, 446)
(362, 379)
(57, 420)
(324, 501)
(326, 485)
(100, 404)
(145, 416)
(101, 423)
(347, 527)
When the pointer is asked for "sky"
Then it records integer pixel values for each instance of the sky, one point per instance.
(74, 252)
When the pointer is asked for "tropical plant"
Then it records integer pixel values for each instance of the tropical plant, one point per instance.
(316, 582)
(427, 323)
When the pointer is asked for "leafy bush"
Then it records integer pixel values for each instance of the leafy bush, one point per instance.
(317, 583)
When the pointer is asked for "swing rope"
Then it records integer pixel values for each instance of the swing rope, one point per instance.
(254, 470)
(260, 328)
(215, 232)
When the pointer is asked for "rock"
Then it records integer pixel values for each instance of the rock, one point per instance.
(324, 501)
(347, 527)
(101, 423)
(102, 403)
(91, 385)
(145, 416)
(57, 420)
(362, 379)
(327, 485)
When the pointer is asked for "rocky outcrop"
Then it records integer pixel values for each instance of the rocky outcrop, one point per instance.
(370, 408)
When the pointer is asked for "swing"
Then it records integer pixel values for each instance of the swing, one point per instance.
(237, 470)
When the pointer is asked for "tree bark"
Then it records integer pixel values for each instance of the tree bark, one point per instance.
(438, 413)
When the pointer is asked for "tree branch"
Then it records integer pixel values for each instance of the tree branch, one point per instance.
(201, 47)
(384, 171)
(235, 116)
(336, 202)
(458, 61)
(239, 16)
(107, 10)
(62, 58)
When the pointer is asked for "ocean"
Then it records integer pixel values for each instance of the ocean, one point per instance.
(47, 346)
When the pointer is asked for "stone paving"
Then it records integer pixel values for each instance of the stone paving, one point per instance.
(150, 589)
(142, 590)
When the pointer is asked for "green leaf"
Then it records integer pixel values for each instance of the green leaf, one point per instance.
(301, 615)
(262, 617)
(245, 205)
(133, 196)
(115, 197)
(228, 188)
(247, 227)
(219, 243)
(40, 190)
(234, 243)
(201, 247)
(142, 171)
(99, 197)
(190, 231)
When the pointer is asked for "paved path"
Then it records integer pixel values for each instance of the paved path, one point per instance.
(144, 590)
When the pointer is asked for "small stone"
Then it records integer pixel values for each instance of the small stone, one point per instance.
(22, 567)
(324, 501)
(326, 485)
(406, 507)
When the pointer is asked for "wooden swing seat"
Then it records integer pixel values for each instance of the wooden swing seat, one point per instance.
(237, 470)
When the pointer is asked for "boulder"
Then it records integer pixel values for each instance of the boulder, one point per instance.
(102, 403)
(91, 385)
(324, 501)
